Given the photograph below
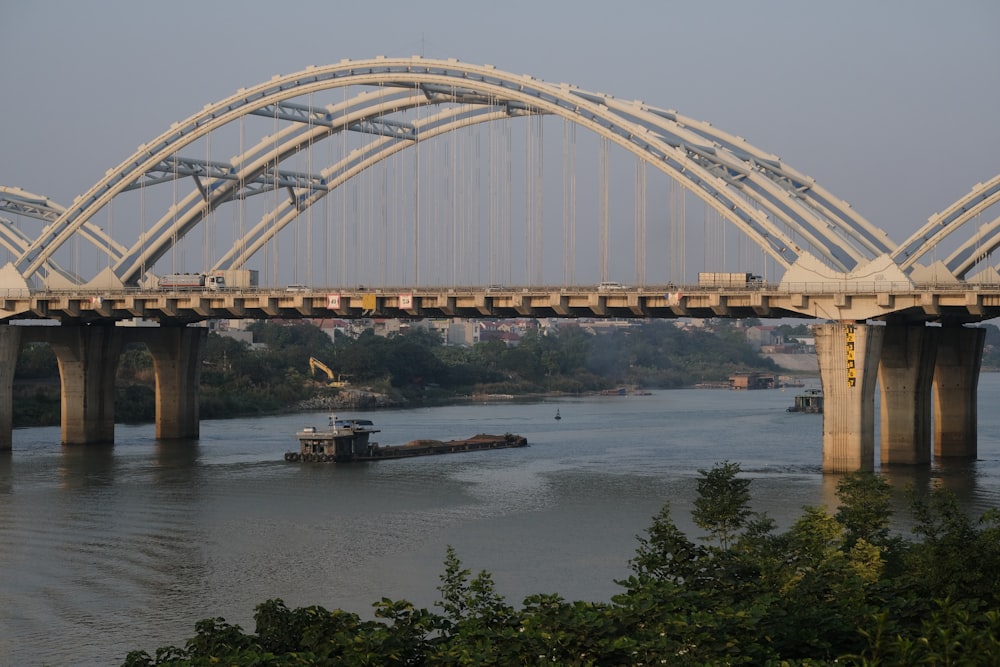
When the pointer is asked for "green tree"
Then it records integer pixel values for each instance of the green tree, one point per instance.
(36, 360)
(865, 507)
(820, 589)
(958, 558)
(723, 504)
(478, 626)
(817, 594)
(463, 597)
(665, 553)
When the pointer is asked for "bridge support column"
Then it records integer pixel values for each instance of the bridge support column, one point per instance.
(10, 344)
(906, 375)
(956, 384)
(848, 356)
(177, 355)
(88, 361)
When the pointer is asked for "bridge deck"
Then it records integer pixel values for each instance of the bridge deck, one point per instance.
(953, 303)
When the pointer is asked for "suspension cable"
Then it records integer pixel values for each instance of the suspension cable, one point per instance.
(640, 222)
(569, 202)
(604, 208)
(677, 223)
(539, 199)
(206, 222)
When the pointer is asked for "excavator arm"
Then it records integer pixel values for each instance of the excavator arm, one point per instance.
(315, 363)
(335, 379)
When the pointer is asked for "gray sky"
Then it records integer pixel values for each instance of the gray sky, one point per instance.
(891, 105)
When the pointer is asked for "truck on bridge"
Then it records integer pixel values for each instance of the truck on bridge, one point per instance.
(722, 279)
(192, 281)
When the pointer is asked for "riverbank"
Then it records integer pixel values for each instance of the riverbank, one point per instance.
(351, 399)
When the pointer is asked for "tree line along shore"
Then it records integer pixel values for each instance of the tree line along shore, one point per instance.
(411, 367)
(414, 367)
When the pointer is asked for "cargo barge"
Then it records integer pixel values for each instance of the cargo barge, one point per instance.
(349, 440)
(811, 402)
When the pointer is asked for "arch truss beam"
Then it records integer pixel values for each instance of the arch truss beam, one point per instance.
(776, 207)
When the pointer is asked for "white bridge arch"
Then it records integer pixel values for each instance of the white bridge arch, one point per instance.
(20, 202)
(790, 217)
(983, 240)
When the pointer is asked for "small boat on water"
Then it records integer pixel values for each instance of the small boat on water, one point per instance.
(811, 401)
(348, 440)
(557, 415)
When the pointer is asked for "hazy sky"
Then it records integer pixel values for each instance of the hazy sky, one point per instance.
(892, 105)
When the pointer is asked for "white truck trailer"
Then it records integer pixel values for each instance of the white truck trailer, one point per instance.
(192, 281)
(723, 279)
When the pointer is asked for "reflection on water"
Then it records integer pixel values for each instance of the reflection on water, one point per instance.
(86, 466)
(177, 456)
(108, 549)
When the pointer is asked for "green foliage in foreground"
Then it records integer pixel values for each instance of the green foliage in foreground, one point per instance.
(833, 589)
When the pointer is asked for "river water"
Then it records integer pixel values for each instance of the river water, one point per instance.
(109, 549)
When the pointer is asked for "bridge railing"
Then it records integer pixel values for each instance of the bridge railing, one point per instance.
(811, 288)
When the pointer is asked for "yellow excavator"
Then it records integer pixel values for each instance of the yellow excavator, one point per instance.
(336, 379)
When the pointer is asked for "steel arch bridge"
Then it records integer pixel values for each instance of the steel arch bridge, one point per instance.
(805, 230)
(835, 265)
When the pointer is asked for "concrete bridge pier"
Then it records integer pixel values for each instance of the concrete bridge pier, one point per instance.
(905, 378)
(88, 360)
(10, 344)
(956, 386)
(177, 355)
(848, 356)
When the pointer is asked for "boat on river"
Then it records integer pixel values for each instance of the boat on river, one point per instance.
(349, 440)
(811, 402)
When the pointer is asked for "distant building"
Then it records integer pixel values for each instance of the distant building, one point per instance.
(752, 381)
(440, 327)
(807, 344)
(490, 331)
(760, 336)
(609, 326)
(386, 327)
(236, 334)
(463, 332)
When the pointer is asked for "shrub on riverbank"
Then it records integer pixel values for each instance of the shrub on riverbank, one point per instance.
(836, 588)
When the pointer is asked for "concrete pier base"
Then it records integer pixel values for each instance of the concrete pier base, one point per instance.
(177, 355)
(10, 345)
(956, 386)
(905, 377)
(848, 356)
(88, 360)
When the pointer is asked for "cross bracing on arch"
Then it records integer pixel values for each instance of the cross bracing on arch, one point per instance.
(16, 241)
(941, 226)
(974, 250)
(253, 173)
(800, 189)
(385, 144)
(17, 201)
(342, 171)
(748, 188)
